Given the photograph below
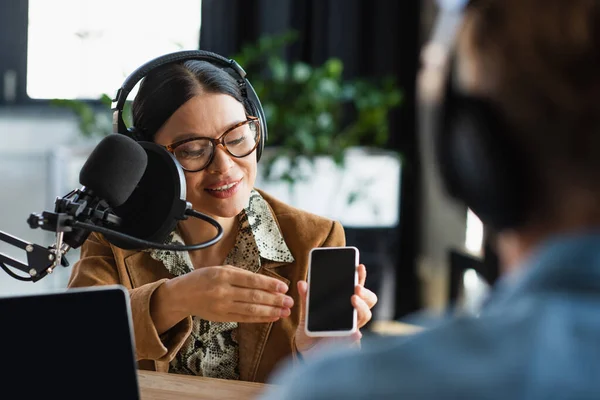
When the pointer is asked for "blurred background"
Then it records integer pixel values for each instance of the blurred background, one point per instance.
(338, 82)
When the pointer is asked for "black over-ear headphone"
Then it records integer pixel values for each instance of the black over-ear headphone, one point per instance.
(251, 100)
(479, 162)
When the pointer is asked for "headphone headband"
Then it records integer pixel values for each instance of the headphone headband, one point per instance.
(143, 70)
(118, 102)
(479, 162)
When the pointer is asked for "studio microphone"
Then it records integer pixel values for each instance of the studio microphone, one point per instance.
(148, 212)
(121, 159)
(133, 193)
(109, 176)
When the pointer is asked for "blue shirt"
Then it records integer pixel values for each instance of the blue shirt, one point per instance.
(537, 338)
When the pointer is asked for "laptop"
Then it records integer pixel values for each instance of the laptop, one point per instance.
(74, 344)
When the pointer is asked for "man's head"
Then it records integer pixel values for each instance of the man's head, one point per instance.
(537, 62)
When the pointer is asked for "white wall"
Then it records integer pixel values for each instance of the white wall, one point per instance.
(365, 193)
(29, 138)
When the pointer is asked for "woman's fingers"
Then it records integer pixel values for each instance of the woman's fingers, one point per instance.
(258, 310)
(234, 294)
(368, 296)
(257, 296)
(302, 292)
(246, 279)
(362, 274)
(251, 319)
(363, 311)
(259, 303)
(303, 342)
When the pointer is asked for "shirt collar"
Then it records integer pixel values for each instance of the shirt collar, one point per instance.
(269, 240)
(257, 222)
(562, 263)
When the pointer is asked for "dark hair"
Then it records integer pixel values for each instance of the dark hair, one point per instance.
(167, 88)
(539, 62)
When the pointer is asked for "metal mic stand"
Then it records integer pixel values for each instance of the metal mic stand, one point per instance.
(41, 261)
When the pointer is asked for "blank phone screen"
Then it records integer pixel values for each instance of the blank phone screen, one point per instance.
(331, 282)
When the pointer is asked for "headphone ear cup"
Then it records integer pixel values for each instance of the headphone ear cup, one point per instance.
(256, 111)
(120, 128)
(478, 164)
(261, 140)
(254, 107)
(251, 100)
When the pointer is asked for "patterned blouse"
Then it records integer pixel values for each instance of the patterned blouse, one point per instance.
(212, 348)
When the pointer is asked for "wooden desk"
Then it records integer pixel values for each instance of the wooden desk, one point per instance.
(394, 328)
(163, 386)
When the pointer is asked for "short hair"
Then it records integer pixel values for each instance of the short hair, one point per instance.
(167, 88)
(538, 61)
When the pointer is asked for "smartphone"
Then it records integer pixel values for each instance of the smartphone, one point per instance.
(332, 277)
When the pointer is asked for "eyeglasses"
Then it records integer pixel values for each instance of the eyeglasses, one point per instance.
(195, 154)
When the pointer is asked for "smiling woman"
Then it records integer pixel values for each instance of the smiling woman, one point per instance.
(226, 176)
(234, 310)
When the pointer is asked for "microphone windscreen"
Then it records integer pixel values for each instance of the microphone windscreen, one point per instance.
(114, 168)
(157, 203)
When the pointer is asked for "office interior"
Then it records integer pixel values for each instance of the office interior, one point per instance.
(423, 252)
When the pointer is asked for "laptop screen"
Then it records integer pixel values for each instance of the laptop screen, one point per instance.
(74, 344)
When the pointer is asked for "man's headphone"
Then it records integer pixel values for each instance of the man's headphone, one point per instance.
(479, 162)
(251, 100)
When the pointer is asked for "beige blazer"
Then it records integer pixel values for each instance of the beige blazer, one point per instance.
(261, 346)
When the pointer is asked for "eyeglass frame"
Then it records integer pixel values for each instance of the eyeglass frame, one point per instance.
(215, 142)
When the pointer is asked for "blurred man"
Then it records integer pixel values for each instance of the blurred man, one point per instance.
(518, 141)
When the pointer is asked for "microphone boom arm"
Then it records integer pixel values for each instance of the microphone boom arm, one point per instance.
(40, 260)
(88, 209)
(71, 215)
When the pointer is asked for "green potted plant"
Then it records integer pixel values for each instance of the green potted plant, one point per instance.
(327, 135)
(313, 111)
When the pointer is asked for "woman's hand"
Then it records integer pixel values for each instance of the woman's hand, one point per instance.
(363, 301)
(220, 294)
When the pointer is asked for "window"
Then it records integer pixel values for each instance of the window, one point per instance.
(81, 49)
(474, 234)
